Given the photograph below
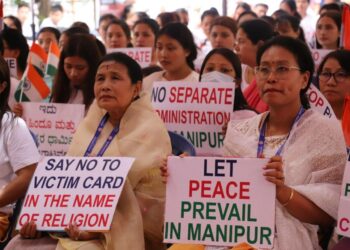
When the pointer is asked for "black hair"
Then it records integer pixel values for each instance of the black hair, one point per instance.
(107, 17)
(343, 58)
(269, 19)
(81, 25)
(150, 70)
(291, 4)
(150, 23)
(279, 13)
(294, 23)
(74, 30)
(16, 22)
(243, 5)
(56, 7)
(240, 102)
(15, 40)
(85, 47)
(183, 35)
(330, 6)
(257, 30)
(247, 12)
(211, 12)
(101, 47)
(52, 30)
(168, 17)
(302, 55)
(4, 95)
(134, 69)
(336, 17)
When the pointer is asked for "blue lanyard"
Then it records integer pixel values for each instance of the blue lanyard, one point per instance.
(97, 134)
(261, 142)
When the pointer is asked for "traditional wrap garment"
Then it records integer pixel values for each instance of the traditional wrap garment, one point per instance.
(313, 161)
(138, 220)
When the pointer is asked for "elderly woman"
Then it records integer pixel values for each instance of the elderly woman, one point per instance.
(130, 128)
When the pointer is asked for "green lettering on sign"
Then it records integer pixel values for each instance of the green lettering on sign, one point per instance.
(172, 230)
(194, 233)
(347, 189)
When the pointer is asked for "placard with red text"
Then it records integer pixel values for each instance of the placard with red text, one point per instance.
(219, 201)
(319, 102)
(318, 55)
(143, 56)
(53, 124)
(343, 222)
(196, 110)
(81, 190)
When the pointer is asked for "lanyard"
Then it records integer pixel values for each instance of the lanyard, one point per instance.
(261, 142)
(97, 134)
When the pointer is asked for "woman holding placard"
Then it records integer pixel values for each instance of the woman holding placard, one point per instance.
(122, 122)
(334, 79)
(144, 35)
(18, 153)
(176, 51)
(306, 166)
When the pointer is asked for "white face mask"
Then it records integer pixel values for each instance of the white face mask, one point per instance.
(216, 76)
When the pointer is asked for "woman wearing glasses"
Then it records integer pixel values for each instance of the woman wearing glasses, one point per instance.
(306, 151)
(334, 79)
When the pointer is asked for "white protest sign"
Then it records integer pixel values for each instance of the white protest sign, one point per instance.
(318, 55)
(143, 56)
(319, 102)
(219, 201)
(343, 223)
(64, 190)
(12, 63)
(53, 124)
(196, 110)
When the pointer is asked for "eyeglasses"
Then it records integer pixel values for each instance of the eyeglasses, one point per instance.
(339, 76)
(281, 72)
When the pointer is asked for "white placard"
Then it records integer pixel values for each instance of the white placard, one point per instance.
(196, 110)
(219, 201)
(141, 55)
(54, 125)
(83, 190)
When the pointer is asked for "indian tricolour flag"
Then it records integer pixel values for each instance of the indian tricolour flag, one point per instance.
(38, 58)
(52, 59)
(32, 87)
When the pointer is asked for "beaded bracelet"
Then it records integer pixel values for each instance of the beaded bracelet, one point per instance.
(290, 198)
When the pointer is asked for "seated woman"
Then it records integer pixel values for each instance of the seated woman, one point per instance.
(306, 150)
(175, 51)
(18, 153)
(138, 220)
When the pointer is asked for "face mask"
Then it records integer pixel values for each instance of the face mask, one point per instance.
(216, 76)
